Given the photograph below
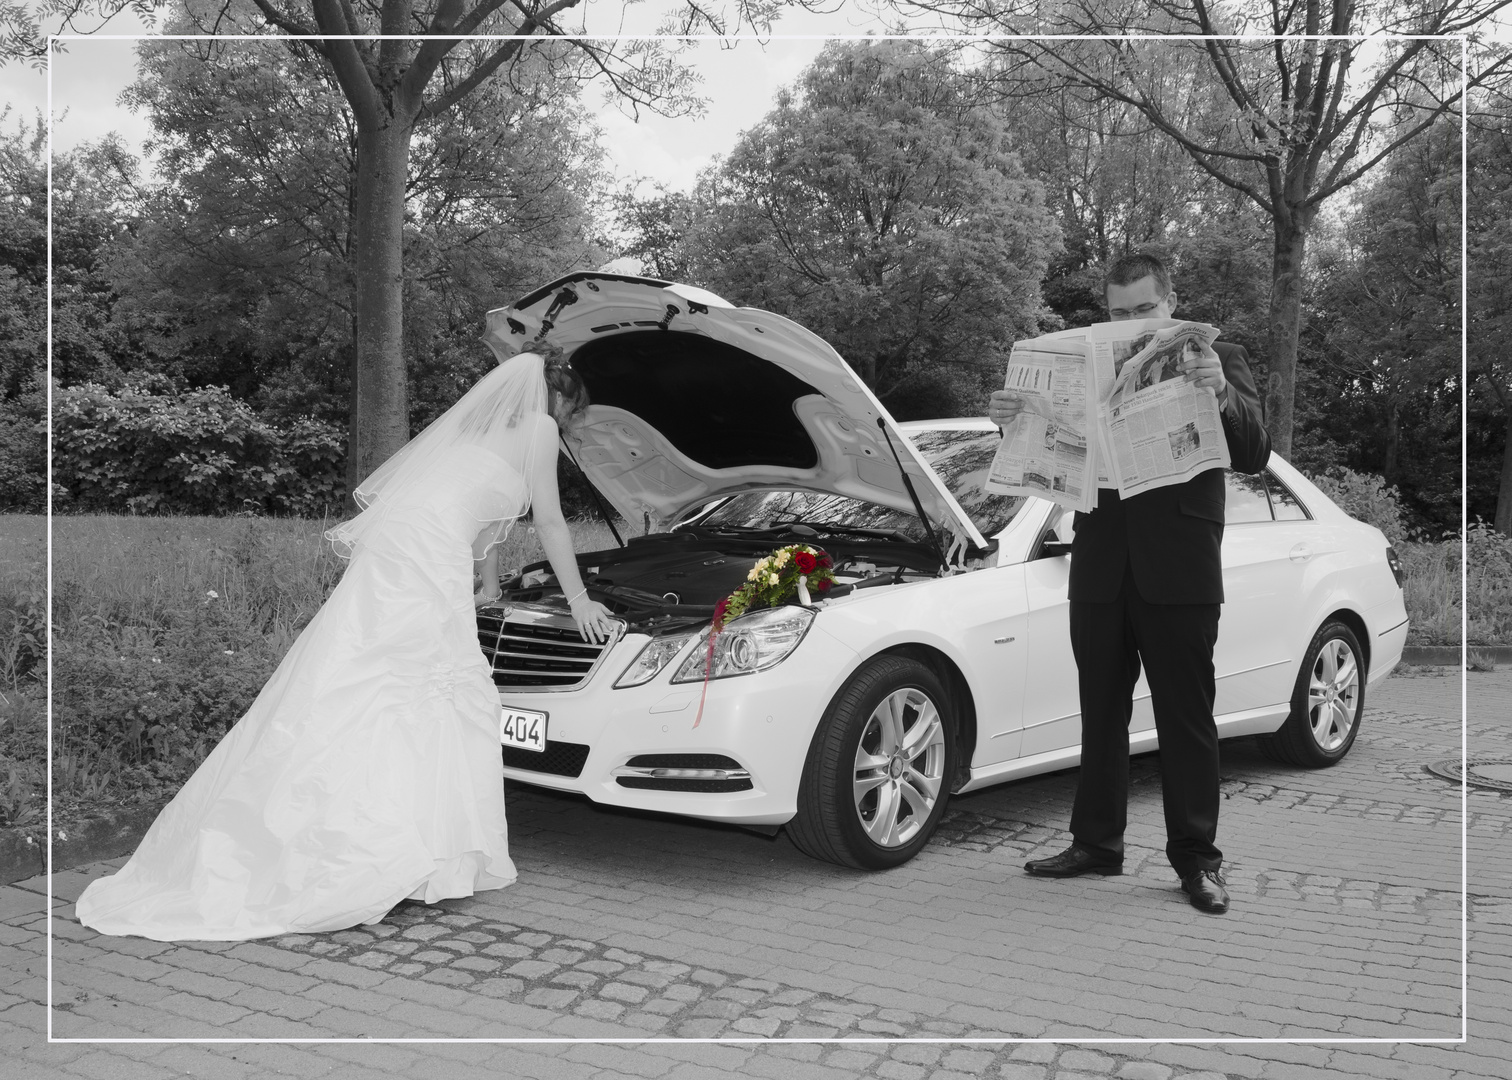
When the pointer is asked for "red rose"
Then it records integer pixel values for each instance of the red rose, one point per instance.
(823, 586)
(824, 561)
(805, 562)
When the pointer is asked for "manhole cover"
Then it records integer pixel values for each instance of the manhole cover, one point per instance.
(1493, 774)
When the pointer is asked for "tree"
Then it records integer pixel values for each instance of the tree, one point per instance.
(396, 86)
(91, 215)
(876, 206)
(653, 230)
(1302, 114)
(1391, 291)
(1489, 316)
(245, 264)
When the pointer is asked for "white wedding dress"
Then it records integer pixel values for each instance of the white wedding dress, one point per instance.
(368, 770)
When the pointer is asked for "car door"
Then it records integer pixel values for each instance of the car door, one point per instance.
(1265, 565)
(1052, 702)
(1264, 561)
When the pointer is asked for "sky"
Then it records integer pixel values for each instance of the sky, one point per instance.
(739, 83)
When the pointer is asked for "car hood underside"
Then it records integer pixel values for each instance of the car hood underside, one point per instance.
(694, 399)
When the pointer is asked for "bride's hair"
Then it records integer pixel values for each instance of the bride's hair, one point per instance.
(561, 380)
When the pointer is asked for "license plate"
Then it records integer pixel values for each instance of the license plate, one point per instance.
(523, 729)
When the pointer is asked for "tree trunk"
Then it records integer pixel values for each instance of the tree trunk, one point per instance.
(380, 398)
(1285, 328)
(1393, 439)
(1503, 522)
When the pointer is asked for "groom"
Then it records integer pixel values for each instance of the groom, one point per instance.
(1146, 587)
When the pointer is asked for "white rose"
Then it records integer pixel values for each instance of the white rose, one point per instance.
(772, 579)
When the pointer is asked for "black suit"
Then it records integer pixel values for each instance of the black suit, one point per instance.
(1146, 585)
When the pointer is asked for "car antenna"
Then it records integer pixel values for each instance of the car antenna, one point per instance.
(914, 495)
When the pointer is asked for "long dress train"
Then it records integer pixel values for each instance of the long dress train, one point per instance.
(368, 769)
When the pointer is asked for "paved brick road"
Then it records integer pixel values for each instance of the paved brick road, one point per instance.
(1346, 924)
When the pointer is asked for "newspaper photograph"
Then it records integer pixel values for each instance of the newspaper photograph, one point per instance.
(1160, 428)
(1133, 422)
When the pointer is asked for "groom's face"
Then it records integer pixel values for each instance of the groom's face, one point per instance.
(1140, 299)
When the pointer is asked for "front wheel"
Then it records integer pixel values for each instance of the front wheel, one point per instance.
(1327, 702)
(875, 781)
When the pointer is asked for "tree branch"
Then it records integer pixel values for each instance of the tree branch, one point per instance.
(348, 65)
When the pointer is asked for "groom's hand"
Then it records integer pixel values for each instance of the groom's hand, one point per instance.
(1004, 407)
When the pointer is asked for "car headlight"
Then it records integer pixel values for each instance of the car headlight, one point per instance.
(649, 662)
(750, 643)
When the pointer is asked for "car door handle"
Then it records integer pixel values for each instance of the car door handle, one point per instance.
(1299, 553)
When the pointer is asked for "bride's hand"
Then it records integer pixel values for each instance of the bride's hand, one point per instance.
(594, 621)
(483, 596)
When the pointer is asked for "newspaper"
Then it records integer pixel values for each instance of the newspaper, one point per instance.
(1107, 406)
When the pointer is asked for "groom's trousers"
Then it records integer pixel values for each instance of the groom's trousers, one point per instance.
(1175, 642)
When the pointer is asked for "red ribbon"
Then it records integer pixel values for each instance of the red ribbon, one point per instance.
(719, 610)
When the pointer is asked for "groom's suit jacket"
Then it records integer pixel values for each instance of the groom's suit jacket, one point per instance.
(1171, 537)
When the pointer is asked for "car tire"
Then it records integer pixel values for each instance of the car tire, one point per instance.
(1327, 702)
(876, 782)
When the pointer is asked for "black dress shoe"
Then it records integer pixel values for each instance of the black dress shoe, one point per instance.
(1205, 890)
(1072, 862)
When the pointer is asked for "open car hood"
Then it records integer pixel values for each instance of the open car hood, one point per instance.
(694, 399)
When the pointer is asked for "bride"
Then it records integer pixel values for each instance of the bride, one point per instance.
(368, 770)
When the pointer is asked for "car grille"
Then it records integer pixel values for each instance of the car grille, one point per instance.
(536, 652)
(559, 758)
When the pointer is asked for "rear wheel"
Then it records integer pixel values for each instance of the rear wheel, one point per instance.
(875, 782)
(1327, 702)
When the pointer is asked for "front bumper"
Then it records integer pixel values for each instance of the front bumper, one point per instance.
(763, 723)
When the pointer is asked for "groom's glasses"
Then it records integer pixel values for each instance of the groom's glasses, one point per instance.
(1143, 311)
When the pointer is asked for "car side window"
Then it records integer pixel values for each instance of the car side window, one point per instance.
(1283, 502)
(1245, 501)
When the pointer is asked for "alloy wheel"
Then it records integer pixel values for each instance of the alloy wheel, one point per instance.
(899, 768)
(1333, 695)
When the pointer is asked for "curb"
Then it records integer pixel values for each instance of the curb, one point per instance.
(1455, 655)
(93, 839)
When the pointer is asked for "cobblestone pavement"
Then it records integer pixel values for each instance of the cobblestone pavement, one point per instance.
(1347, 923)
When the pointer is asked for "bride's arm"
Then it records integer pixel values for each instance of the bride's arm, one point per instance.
(487, 568)
(593, 619)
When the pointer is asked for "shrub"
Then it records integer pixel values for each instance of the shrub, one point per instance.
(152, 449)
(23, 452)
(1488, 581)
(1365, 497)
(1431, 591)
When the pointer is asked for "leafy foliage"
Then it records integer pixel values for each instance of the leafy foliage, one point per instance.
(1383, 347)
(876, 206)
(1488, 316)
(245, 272)
(150, 448)
(1365, 498)
(1488, 584)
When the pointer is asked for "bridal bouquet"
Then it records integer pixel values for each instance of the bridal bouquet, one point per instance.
(796, 570)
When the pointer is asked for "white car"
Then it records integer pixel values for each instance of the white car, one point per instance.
(939, 663)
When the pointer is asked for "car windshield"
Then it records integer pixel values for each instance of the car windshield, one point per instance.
(960, 458)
